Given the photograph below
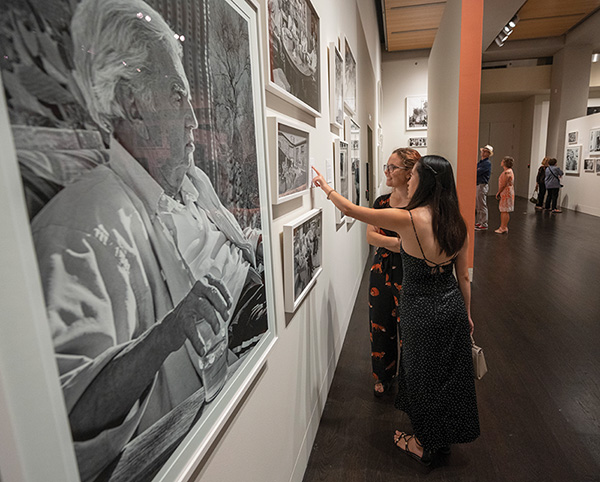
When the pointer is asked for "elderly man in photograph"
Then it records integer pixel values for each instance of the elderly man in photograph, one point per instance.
(484, 171)
(150, 283)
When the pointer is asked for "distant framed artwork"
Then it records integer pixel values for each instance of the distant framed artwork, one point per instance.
(589, 165)
(597, 166)
(573, 160)
(341, 174)
(417, 142)
(349, 79)
(593, 110)
(354, 162)
(336, 86)
(416, 112)
(302, 251)
(572, 137)
(595, 142)
(289, 148)
(294, 62)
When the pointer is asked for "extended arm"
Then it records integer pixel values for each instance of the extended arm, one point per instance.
(501, 184)
(464, 282)
(375, 238)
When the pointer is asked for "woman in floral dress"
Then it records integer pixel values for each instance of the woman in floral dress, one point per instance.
(506, 194)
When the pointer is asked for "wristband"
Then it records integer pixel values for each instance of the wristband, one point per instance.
(333, 190)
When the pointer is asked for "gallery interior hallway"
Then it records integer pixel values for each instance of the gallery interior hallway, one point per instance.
(536, 308)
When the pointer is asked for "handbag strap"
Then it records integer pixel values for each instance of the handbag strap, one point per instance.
(552, 172)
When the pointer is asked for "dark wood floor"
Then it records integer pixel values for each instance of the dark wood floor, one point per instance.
(536, 308)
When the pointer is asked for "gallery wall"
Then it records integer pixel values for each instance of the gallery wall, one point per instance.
(270, 433)
(581, 191)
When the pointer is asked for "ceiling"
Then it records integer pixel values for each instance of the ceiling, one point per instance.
(542, 26)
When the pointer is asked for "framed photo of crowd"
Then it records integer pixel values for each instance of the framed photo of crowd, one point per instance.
(289, 149)
(416, 112)
(294, 60)
(135, 219)
(302, 251)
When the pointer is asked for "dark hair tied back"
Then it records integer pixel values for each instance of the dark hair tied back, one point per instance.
(437, 189)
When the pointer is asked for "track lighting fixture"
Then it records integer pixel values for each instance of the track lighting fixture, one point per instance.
(506, 31)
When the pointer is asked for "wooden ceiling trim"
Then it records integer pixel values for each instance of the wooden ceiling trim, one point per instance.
(393, 4)
(555, 8)
(547, 27)
(423, 18)
(417, 39)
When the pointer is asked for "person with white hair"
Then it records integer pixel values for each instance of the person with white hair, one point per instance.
(484, 171)
(151, 286)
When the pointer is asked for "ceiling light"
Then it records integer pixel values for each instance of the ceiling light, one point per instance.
(513, 21)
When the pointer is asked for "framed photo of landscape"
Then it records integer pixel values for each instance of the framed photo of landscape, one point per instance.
(99, 286)
(336, 86)
(289, 149)
(302, 251)
(294, 60)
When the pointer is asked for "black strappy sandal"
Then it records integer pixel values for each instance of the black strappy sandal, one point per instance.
(426, 459)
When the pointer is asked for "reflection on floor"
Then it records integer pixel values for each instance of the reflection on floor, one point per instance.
(536, 307)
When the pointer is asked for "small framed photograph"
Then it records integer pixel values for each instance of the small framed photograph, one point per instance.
(597, 166)
(302, 250)
(336, 86)
(416, 113)
(573, 160)
(595, 142)
(572, 137)
(589, 165)
(349, 79)
(342, 174)
(289, 154)
(417, 142)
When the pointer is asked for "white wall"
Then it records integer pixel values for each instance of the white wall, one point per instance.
(539, 132)
(581, 192)
(270, 435)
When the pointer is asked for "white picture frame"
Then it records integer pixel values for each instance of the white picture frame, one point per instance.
(336, 86)
(289, 154)
(342, 174)
(350, 87)
(597, 166)
(31, 336)
(573, 160)
(589, 165)
(302, 251)
(417, 142)
(595, 142)
(572, 137)
(355, 164)
(293, 63)
(416, 112)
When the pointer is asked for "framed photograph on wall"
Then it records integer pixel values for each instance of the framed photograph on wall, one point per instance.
(589, 165)
(294, 63)
(336, 86)
(302, 252)
(597, 166)
(416, 112)
(289, 150)
(355, 162)
(572, 137)
(417, 142)
(573, 160)
(121, 260)
(595, 142)
(349, 79)
(342, 174)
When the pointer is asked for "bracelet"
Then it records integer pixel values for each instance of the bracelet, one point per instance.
(333, 190)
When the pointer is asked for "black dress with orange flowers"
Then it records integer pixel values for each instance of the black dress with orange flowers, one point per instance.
(384, 295)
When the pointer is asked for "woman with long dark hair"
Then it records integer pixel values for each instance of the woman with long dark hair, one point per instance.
(436, 387)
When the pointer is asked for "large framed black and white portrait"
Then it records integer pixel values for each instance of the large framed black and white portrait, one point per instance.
(573, 160)
(289, 149)
(341, 172)
(416, 112)
(349, 79)
(302, 250)
(595, 142)
(151, 234)
(294, 63)
(336, 86)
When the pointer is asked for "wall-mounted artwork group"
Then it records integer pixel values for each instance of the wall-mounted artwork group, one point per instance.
(151, 235)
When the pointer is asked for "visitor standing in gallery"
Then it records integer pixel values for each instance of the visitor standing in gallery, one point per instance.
(506, 194)
(484, 171)
(435, 318)
(540, 184)
(385, 280)
(553, 185)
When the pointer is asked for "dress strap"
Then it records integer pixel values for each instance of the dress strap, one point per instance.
(417, 236)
